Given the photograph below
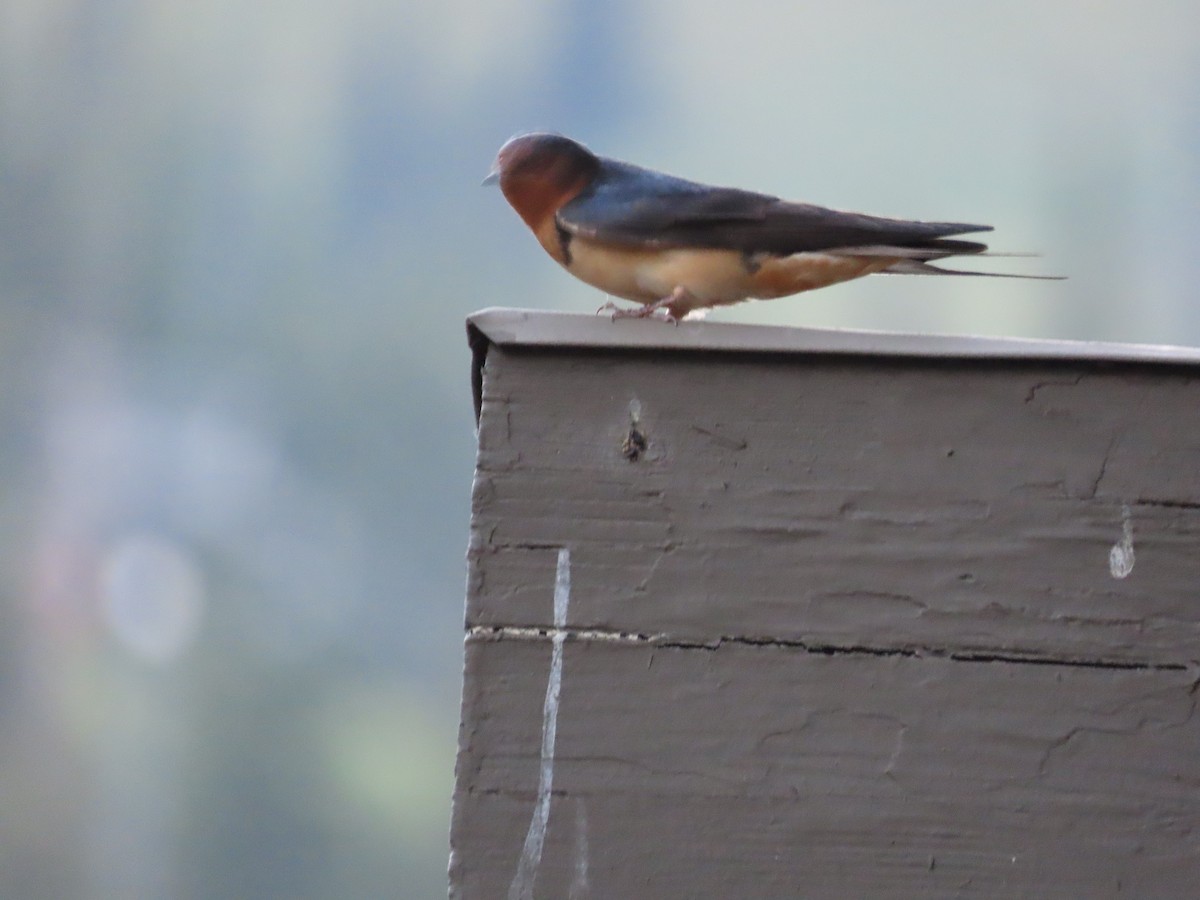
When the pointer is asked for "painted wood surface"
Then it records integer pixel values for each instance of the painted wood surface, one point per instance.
(830, 625)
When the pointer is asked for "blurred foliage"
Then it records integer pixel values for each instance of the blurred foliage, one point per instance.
(237, 244)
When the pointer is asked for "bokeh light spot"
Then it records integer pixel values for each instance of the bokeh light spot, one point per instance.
(151, 593)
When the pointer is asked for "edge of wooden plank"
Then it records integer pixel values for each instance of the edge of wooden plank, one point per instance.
(541, 328)
(508, 327)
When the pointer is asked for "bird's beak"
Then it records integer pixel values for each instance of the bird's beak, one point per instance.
(492, 178)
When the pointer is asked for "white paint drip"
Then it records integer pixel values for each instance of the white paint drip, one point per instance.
(635, 411)
(579, 884)
(531, 854)
(1120, 557)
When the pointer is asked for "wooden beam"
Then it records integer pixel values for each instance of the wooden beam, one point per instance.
(841, 615)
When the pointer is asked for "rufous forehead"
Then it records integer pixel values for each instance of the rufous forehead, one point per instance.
(515, 149)
(544, 146)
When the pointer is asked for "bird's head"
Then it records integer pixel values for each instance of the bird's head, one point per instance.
(539, 172)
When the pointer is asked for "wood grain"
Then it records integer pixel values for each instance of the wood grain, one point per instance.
(942, 507)
(772, 772)
(837, 627)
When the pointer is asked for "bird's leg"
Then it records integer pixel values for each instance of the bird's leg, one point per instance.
(679, 304)
(673, 307)
(639, 312)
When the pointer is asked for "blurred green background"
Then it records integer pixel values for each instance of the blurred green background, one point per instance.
(237, 245)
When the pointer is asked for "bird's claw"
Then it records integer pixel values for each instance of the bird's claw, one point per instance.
(663, 310)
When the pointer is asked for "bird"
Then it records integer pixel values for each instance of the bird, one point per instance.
(678, 247)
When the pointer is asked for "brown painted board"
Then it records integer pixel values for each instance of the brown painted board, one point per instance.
(765, 612)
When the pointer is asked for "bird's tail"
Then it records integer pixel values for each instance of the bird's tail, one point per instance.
(922, 267)
(917, 259)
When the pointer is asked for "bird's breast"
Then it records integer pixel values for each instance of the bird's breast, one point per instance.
(649, 274)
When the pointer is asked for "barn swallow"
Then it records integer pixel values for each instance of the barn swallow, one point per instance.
(677, 246)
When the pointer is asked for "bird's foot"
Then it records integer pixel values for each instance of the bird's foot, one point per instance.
(677, 305)
(671, 308)
(649, 311)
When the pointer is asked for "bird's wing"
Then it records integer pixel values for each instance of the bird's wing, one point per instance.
(629, 205)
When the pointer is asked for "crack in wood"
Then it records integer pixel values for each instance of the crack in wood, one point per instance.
(1031, 395)
(666, 641)
(1095, 486)
(1167, 503)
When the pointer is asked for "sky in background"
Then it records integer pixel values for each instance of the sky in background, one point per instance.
(237, 246)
